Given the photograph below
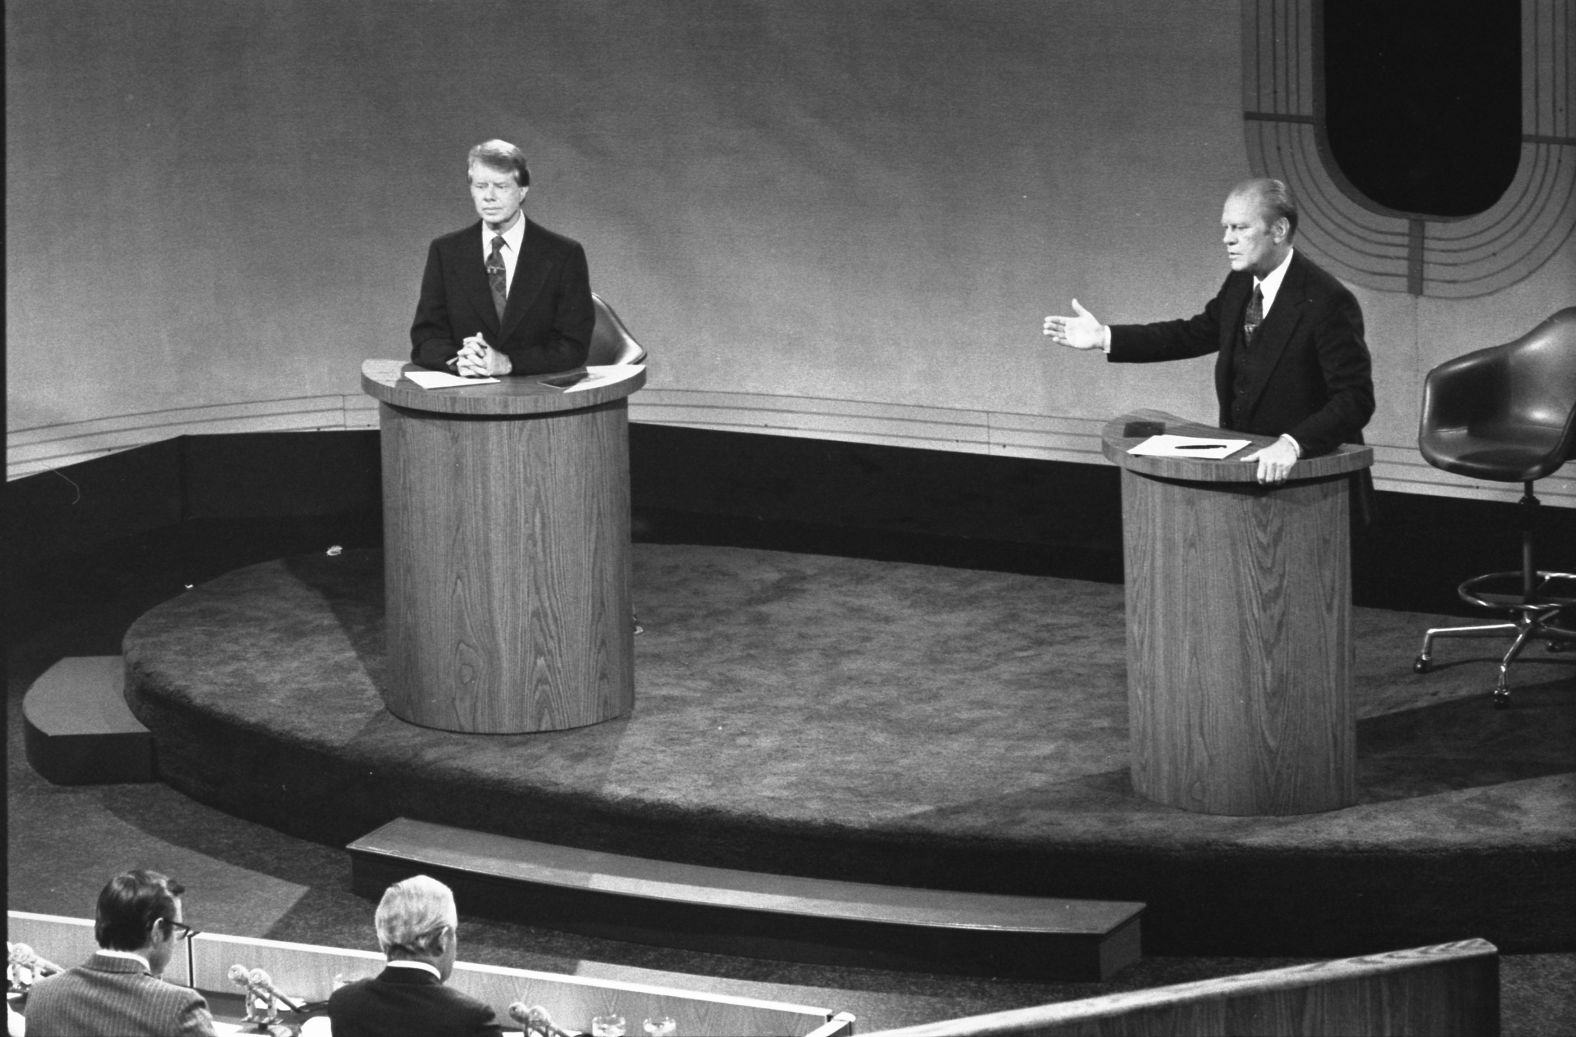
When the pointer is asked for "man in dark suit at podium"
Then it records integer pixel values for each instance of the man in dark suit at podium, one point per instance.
(506, 295)
(1291, 358)
(416, 922)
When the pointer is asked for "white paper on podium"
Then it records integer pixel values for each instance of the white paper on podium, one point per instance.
(1188, 446)
(442, 380)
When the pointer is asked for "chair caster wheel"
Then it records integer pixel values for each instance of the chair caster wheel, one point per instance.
(1421, 665)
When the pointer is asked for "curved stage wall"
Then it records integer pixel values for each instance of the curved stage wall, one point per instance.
(1397, 468)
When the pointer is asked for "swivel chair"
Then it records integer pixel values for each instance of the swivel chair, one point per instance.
(611, 342)
(1508, 413)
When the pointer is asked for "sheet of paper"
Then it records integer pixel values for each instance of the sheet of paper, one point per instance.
(1188, 446)
(443, 380)
(601, 374)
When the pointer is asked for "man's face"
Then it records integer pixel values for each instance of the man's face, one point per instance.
(497, 195)
(1252, 244)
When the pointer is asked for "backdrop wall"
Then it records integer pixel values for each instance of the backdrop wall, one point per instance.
(822, 218)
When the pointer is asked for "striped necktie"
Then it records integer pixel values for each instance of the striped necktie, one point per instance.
(1254, 317)
(497, 276)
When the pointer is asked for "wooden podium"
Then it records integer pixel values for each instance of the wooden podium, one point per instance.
(1239, 615)
(506, 551)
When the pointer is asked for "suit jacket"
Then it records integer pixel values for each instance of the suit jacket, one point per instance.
(403, 1002)
(114, 997)
(1313, 380)
(547, 320)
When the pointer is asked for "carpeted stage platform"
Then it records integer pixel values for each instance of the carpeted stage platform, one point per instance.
(895, 723)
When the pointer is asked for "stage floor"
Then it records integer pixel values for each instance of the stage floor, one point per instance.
(890, 722)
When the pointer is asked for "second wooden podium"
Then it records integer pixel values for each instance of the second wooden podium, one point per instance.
(506, 551)
(1239, 614)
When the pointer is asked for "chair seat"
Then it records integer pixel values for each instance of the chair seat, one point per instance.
(1501, 452)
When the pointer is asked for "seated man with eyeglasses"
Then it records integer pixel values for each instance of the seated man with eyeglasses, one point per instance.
(119, 992)
(417, 925)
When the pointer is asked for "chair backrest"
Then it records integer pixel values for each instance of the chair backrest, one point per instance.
(611, 342)
(1542, 370)
(1505, 412)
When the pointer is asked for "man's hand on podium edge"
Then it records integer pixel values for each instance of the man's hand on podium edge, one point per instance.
(1083, 331)
(1275, 461)
(477, 359)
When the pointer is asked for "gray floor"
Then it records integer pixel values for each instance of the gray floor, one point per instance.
(250, 880)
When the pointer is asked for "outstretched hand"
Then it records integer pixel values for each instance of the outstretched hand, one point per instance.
(1083, 331)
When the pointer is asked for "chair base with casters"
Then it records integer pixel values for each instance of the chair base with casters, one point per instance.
(1535, 606)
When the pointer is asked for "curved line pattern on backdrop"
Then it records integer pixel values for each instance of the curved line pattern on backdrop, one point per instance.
(1394, 252)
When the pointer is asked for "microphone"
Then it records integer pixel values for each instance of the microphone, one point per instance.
(239, 976)
(23, 955)
(536, 1018)
(261, 981)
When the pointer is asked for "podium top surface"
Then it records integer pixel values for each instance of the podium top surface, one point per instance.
(510, 396)
(1115, 443)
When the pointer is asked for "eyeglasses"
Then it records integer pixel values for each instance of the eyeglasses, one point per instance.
(182, 931)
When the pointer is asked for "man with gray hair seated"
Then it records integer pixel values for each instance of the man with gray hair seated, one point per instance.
(417, 924)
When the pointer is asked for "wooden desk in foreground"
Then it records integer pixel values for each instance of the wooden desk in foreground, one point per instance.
(1239, 614)
(1448, 990)
(506, 550)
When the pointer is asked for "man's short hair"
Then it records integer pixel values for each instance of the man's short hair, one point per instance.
(412, 915)
(502, 156)
(1275, 201)
(130, 905)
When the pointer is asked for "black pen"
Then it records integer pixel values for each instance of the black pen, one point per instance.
(1200, 446)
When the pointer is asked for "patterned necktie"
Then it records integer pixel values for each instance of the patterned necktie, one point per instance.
(497, 277)
(1253, 318)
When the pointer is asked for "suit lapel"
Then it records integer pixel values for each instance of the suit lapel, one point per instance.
(1233, 304)
(530, 274)
(1282, 320)
(473, 274)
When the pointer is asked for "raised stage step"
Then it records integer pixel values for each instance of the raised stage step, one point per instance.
(78, 729)
(754, 914)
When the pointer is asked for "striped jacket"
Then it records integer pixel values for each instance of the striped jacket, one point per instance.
(114, 997)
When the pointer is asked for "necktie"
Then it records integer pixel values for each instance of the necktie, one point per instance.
(497, 278)
(1254, 317)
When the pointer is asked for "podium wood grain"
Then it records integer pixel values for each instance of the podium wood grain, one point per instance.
(1239, 615)
(506, 553)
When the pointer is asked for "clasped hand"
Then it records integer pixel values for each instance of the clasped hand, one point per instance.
(477, 359)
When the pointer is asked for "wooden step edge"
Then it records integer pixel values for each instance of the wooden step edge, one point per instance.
(78, 730)
(569, 868)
